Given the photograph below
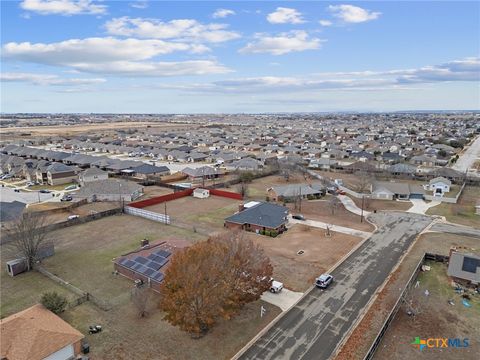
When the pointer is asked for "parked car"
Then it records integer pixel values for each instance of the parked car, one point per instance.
(6, 176)
(276, 287)
(324, 280)
(298, 217)
(71, 187)
(66, 198)
(341, 192)
(72, 217)
(332, 190)
(45, 191)
(16, 190)
(30, 183)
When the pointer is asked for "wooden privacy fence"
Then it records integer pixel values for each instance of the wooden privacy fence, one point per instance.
(150, 215)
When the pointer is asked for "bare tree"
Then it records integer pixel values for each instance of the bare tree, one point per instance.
(140, 297)
(364, 181)
(243, 189)
(334, 203)
(28, 235)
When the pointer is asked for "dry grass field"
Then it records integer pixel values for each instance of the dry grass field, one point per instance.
(62, 130)
(84, 256)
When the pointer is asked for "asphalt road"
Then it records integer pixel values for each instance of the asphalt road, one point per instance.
(456, 229)
(8, 195)
(313, 328)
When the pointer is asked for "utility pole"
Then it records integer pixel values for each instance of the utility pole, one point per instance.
(165, 212)
(363, 202)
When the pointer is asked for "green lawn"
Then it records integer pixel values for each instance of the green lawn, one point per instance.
(25, 290)
(213, 218)
(48, 187)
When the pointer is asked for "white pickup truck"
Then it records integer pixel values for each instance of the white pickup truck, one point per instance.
(276, 287)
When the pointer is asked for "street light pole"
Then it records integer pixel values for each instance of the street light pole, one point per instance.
(363, 202)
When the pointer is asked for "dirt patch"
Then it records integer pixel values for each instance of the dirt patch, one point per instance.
(153, 191)
(374, 204)
(321, 210)
(298, 272)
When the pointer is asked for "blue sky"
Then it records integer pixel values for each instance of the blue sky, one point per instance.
(227, 56)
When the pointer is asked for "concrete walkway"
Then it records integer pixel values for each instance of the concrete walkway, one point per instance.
(468, 157)
(351, 206)
(336, 228)
(421, 206)
(284, 299)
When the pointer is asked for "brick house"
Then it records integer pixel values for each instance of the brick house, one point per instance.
(258, 217)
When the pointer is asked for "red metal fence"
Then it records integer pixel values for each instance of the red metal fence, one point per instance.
(180, 194)
(161, 199)
(227, 194)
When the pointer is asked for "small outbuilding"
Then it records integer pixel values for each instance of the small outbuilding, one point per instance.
(201, 193)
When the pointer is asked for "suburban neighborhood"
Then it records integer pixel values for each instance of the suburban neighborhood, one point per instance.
(116, 208)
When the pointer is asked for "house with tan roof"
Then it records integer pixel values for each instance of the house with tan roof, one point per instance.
(37, 333)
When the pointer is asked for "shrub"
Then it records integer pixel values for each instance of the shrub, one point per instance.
(273, 233)
(54, 302)
(267, 232)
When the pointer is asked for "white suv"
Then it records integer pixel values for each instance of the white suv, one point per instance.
(324, 280)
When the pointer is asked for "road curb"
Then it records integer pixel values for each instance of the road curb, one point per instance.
(367, 307)
(307, 292)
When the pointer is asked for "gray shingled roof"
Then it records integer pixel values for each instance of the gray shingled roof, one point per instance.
(264, 214)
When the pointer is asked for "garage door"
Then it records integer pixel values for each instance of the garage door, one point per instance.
(63, 354)
(416, 196)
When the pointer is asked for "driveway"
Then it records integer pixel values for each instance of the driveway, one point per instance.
(284, 299)
(314, 327)
(420, 206)
(468, 157)
(351, 206)
(336, 228)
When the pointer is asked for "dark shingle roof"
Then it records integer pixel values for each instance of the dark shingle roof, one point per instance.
(263, 214)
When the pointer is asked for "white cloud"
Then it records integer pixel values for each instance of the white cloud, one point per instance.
(353, 14)
(114, 56)
(139, 4)
(285, 16)
(63, 7)
(325, 22)
(94, 50)
(181, 29)
(458, 70)
(47, 79)
(222, 13)
(283, 43)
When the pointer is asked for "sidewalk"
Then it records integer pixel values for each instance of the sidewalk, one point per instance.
(351, 206)
(336, 228)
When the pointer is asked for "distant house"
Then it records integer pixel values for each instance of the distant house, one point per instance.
(259, 216)
(386, 190)
(281, 193)
(92, 174)
(37, 333)
(247, 163)
(59, 173)
(439, 186)
(146, 170)
(464, 267)
(109, 190)
(204, 172)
